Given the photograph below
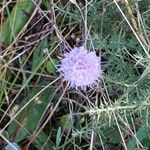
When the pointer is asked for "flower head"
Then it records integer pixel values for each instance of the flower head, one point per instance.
(80, 68)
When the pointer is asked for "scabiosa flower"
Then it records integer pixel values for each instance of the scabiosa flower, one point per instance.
(80, 68)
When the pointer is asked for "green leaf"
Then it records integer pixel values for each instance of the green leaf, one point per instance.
(58, 136)
(142, 134)
(47, 4)
(66, 121)
(50, 66)
(38, 54)
(16, 20)
(42, 138)
(29, 118)
(110, 132)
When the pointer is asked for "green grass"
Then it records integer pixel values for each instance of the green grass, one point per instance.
(39, 111)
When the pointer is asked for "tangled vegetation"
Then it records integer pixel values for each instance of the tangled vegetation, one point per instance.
(38, 111)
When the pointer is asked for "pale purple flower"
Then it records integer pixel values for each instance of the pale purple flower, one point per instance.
(80, 68)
